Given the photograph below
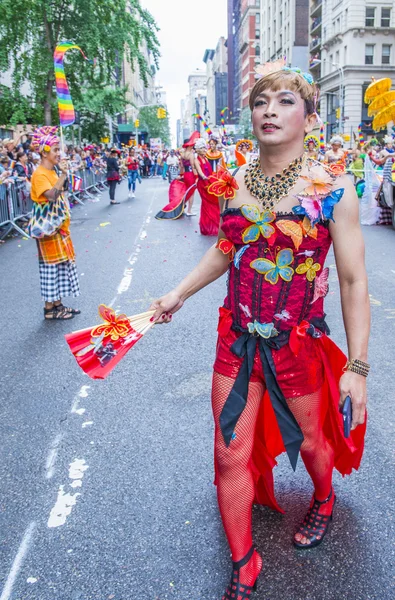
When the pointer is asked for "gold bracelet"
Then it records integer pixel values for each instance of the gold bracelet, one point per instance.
(357, 366)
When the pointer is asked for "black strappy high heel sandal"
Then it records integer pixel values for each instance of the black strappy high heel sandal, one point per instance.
(236, 589)
(315, 525)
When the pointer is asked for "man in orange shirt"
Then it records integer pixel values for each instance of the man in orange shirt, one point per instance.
(58, 272)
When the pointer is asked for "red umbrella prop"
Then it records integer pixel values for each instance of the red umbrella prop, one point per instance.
(97, 350)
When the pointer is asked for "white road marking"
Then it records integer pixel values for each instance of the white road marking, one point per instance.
(52, 456)
(86, 424)
(62, 508)
(77, 468)
(83, 393)
(18, 561)
(31, 580)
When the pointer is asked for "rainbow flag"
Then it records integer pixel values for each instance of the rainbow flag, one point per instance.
(205, 125)
(223, 111)
(65, 103)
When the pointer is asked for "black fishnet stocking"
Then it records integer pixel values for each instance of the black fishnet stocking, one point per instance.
(316, 452)
(235, 485)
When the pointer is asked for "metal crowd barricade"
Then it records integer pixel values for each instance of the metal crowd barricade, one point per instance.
(15, 204)
(93, 179)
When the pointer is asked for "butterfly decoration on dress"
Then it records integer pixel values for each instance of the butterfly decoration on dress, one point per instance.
(310, 268)
(261, 224)
(306, 253)
(319, 183)
(297, 231)
(226, 247)
(318, 208)
(265, 330)
(238, 256)
(272, 271)
(223, 184)
(321, 285)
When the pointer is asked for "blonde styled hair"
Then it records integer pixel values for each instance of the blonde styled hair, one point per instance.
(293, 81)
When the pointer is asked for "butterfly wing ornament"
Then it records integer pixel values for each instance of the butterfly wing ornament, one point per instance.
(329, 203)
(293, 230)
(261, 223)
(272, 270)
(321, 285)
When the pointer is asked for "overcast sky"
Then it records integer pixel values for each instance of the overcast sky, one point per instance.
(187, 29)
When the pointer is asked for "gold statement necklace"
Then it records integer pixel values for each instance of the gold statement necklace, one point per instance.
(270, 190)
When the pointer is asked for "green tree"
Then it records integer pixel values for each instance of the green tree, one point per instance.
(156, 128)
(105, 30)
(94, 106)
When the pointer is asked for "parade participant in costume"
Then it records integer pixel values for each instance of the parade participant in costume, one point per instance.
(188, 170)
(113, 176)
(387, 158)
(243, 152)
(336, 155)
(182, 188)
(209, 211)
(58, 271)
(311, 145)
(278, 378)
(357, 165)
(214, 155)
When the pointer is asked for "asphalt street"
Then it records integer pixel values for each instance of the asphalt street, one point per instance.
(106, 487)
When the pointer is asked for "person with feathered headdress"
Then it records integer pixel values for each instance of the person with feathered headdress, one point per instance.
(311, 145)
(243, 152)
(50, 225)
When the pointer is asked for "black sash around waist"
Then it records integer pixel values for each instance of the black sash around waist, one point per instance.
(245, 347)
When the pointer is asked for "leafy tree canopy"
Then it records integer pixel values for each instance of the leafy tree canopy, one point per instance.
(107, 31)
(156, 128)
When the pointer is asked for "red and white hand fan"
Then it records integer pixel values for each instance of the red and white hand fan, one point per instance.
(97, 350)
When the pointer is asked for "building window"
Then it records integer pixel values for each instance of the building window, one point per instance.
(337, 57)
(257, 34)
(257, 50)
(257, 18)
(345, 55)
(386, 54)
(369, 17)
(338, 25)
(346, 18)
(385, 17)
(369, 54)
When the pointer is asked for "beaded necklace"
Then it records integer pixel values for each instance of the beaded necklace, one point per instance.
(270, 190)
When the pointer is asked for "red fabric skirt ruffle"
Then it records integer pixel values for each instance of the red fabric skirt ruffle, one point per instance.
(268, 443)
(209, 212)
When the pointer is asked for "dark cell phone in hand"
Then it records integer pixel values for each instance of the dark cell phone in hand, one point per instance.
(347, 416)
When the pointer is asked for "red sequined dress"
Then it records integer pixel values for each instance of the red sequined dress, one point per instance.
(276, 287)
(209, 211)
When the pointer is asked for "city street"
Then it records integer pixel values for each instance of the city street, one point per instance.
(107, 489)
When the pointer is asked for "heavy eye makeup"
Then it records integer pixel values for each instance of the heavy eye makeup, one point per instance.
(284, 100)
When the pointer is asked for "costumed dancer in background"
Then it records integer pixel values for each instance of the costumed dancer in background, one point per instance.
(209, 211)
(243, 152)
(357, 164)
(386, 158)
(214, 155)
(311, 146)
(336, 155)
(278, 378)
(188, 170)
(56, 256)
(182, 188)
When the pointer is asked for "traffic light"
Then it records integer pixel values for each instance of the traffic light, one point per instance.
(338, 110)
(161, 113)
(137, 123)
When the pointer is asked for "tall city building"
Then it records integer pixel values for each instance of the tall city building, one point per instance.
(350, 42)
(243, 45)
(285, 31)
(217, 82)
